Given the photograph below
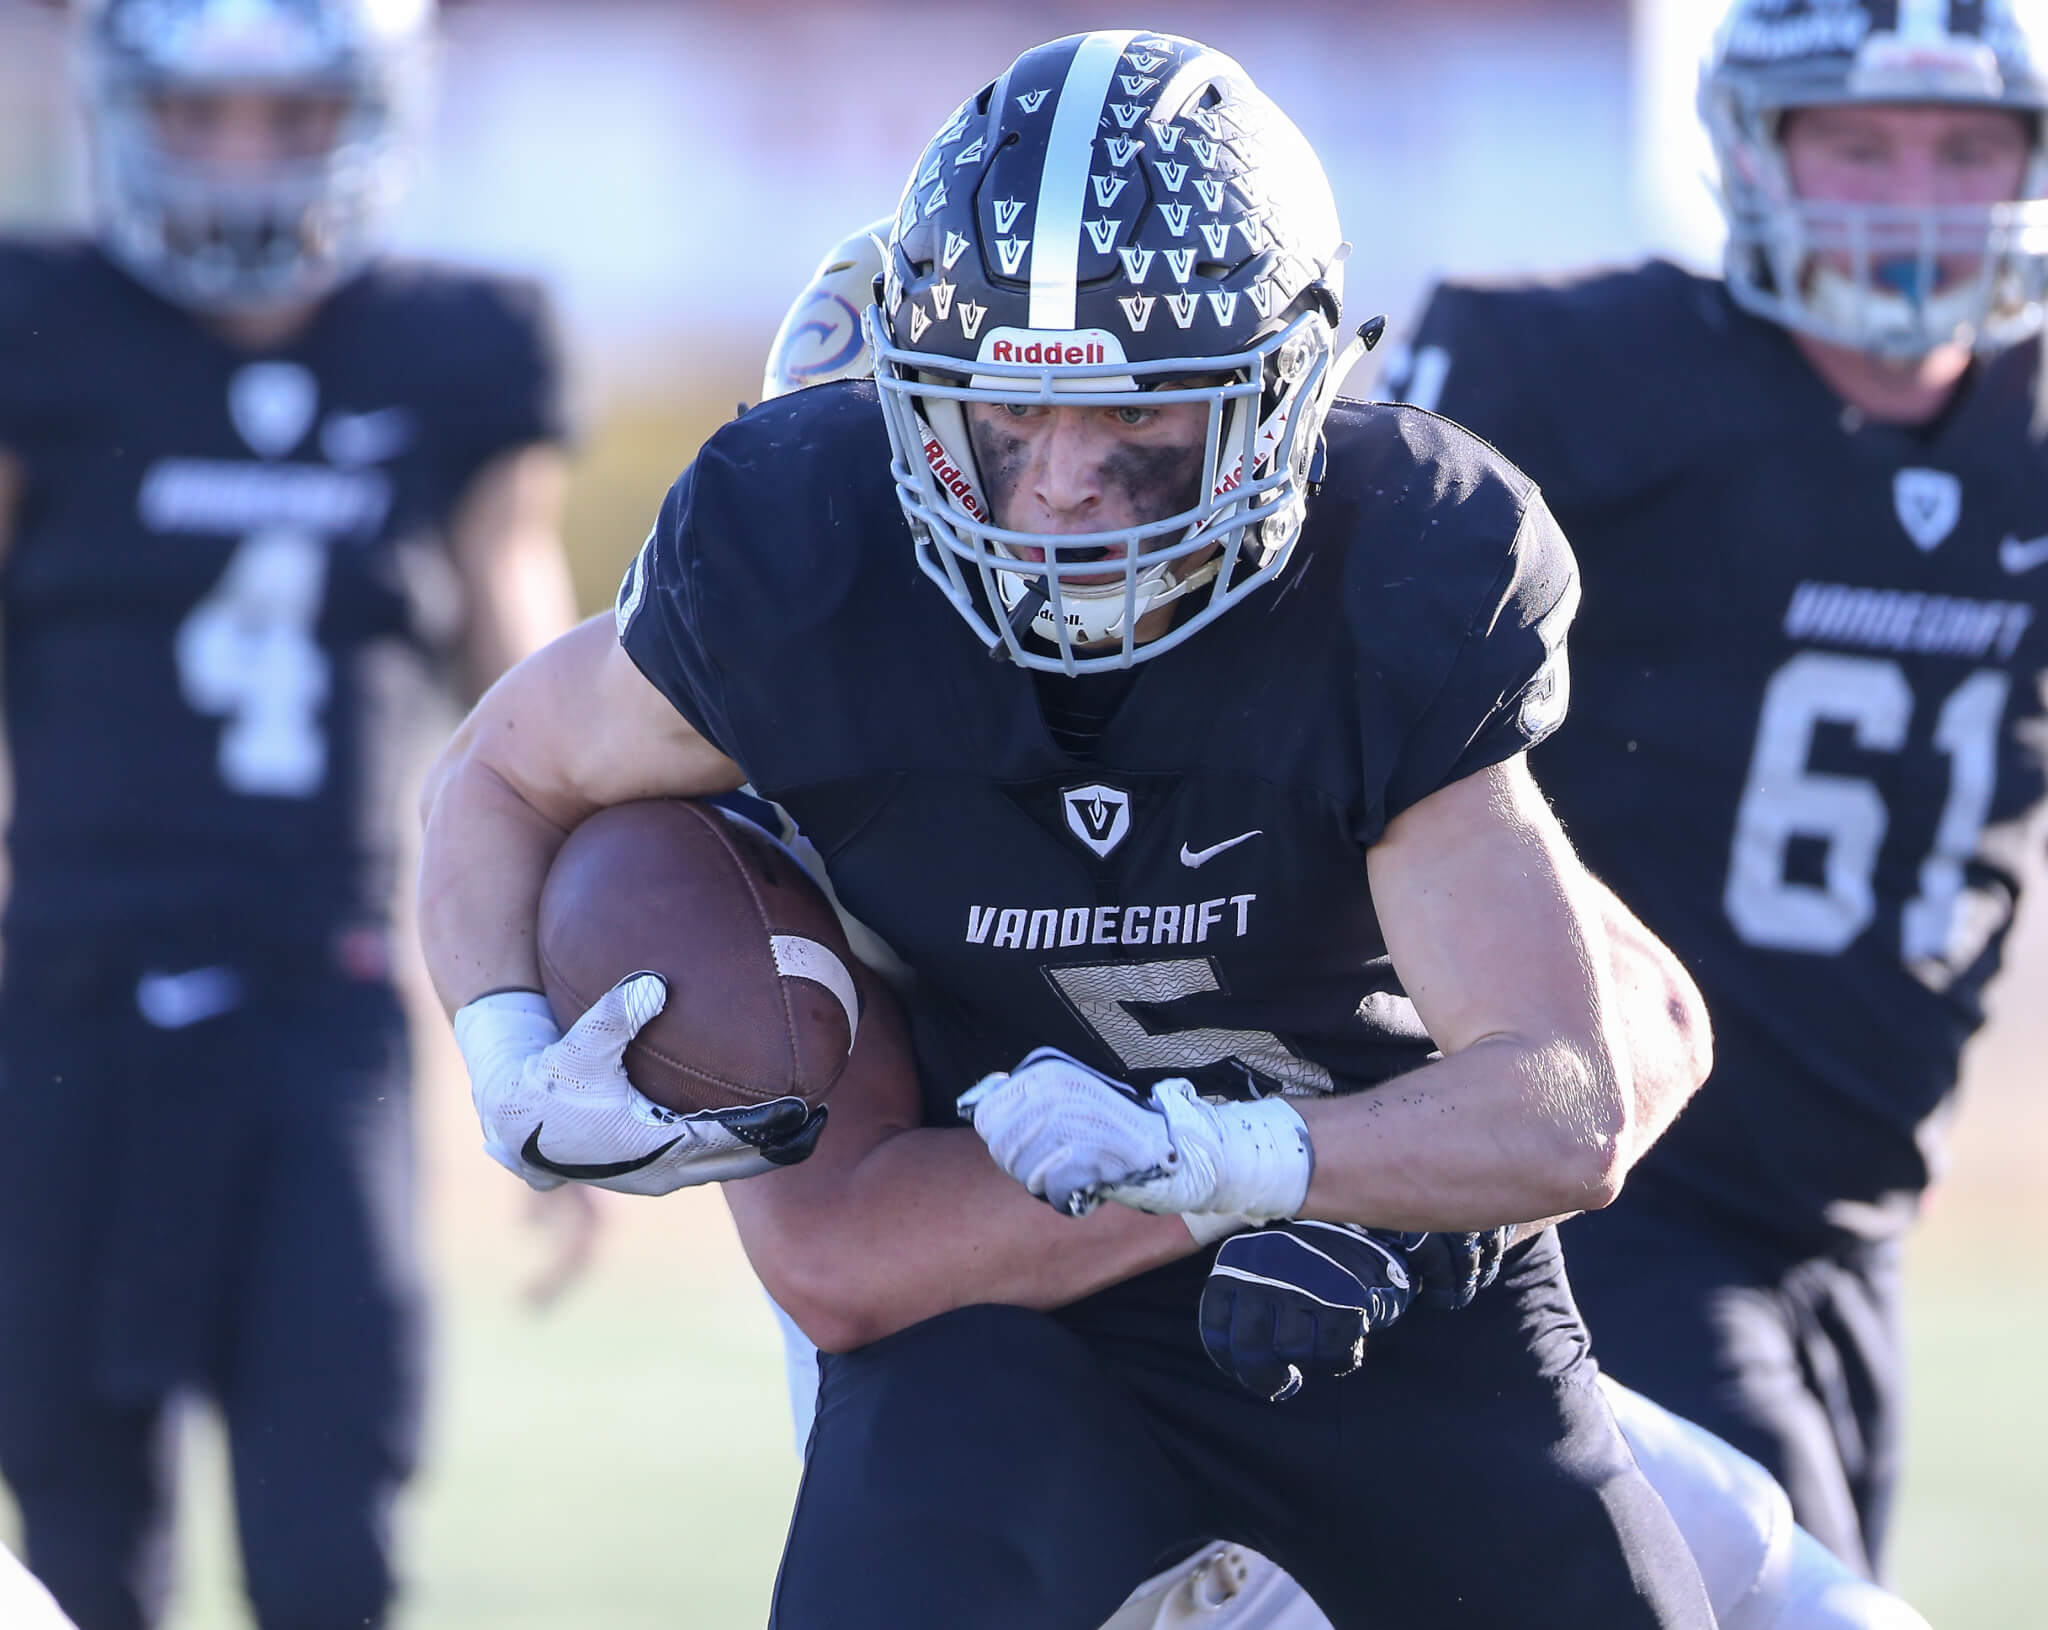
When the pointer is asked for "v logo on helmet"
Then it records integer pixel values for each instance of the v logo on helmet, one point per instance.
(1098, 815)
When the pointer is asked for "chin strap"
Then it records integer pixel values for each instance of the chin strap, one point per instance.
(1022, 615)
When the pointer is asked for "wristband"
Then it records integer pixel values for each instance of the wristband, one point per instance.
(1257, 1153)
(497, 1033)
(1207, 1227)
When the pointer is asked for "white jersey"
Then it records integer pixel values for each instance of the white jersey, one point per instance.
(24, 1604)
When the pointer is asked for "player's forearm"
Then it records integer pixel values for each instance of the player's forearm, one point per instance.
(925, 1223)
(483, 860)
(1663, 1020)
(1499, 1133)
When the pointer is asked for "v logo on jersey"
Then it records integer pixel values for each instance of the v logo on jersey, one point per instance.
(272, 405)
(1929, 502)
(1099, 816)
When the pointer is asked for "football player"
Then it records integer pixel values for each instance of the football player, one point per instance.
(247, 476)
(1155, 708)
(1811, 503)
(1761, 1570)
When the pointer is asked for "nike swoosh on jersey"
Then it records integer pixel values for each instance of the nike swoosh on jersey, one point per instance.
(355, 439)
(1202, 857)
(2017, 556)
(530, 1153)
(173, 1001)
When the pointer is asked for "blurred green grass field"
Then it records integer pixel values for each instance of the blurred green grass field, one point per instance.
(623, 1461)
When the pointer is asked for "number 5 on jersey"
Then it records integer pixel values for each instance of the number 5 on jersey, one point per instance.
(247, 653)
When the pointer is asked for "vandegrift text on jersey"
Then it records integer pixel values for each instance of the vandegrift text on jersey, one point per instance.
(1023, 928)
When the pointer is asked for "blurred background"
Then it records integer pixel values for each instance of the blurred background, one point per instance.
(674, 169)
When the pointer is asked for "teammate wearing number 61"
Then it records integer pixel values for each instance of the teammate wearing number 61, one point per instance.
(249, 479)
(1810, 501)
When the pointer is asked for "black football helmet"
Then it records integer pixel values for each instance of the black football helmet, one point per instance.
(217, 237)
(1122, 217)
(1918, 278)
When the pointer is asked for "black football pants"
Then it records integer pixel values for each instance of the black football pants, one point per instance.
(1000, 1469)
(226, 1206)
(1797, 1360)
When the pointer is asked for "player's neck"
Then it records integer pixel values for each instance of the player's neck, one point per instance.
(262, 328)
(1909, 393)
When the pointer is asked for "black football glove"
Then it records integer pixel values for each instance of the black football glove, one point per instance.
(1450, 1269)
(1299, 1297)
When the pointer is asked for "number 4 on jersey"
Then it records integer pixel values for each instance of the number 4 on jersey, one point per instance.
(247, 653)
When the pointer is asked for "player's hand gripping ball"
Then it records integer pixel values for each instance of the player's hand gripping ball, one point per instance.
(710, 1003)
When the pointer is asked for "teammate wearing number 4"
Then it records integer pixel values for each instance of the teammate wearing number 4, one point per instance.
(247, 478)
(1807, 500)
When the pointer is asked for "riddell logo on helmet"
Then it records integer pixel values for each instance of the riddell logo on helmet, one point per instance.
(1033, 348)
(950, 475)
(1269, 438)
(1035, 352)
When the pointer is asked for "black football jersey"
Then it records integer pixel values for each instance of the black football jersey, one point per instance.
(1804, 738)
(214, 551)
(1191, 899)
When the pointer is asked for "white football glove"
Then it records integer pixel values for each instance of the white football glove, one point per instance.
(1076, 1137)
(556, 1107)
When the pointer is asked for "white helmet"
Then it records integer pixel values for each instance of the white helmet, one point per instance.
(1918, 277)
(824, 336)
(215, 237)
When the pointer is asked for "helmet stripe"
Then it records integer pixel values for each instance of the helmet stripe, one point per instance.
(1063, 182)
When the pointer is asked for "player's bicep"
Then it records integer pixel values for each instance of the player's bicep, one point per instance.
(1488, 917)
(577, 727)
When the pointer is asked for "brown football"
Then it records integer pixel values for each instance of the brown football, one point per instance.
(762, 1001)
